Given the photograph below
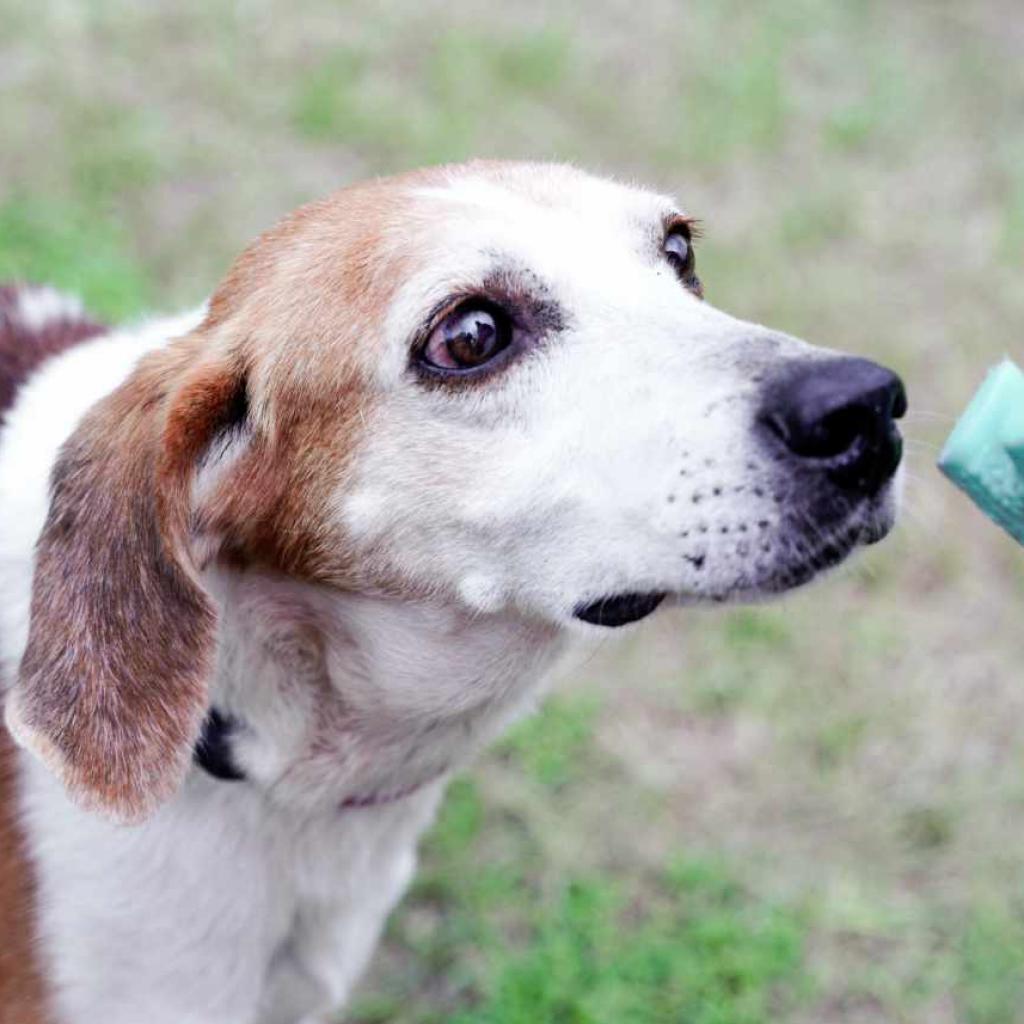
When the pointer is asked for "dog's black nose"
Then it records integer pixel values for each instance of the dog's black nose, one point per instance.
(839, 414)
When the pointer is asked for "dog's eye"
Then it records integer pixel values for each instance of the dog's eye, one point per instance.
(467, 338)
(678, 248)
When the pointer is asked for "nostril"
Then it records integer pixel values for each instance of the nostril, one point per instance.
(813, 434)
(834, 434)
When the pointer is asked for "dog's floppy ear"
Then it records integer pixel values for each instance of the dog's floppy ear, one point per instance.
(113, 683)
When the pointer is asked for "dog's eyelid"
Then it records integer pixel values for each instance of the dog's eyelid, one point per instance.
(684, 263)
(689, 227)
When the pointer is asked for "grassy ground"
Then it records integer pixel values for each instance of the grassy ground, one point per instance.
(812, 812)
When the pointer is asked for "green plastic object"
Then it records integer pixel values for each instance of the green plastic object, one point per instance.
(985, 453)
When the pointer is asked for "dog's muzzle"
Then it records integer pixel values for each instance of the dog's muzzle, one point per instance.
(828, 437)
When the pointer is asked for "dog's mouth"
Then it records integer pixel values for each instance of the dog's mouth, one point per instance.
(796, 558)
(619, 609)
(616, 610)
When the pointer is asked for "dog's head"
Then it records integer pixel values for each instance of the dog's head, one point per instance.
(497, 386)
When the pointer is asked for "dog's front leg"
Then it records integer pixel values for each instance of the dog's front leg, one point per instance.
(314, 972)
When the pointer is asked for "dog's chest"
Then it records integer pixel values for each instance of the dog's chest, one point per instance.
(342, 881)
(220, 908)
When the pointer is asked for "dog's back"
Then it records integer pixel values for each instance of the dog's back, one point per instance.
(36, 323)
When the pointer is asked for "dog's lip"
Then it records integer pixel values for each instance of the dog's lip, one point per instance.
(873, 532)
(823, 558)
(619, 609)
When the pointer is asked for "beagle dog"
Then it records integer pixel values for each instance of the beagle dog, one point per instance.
(271, 571)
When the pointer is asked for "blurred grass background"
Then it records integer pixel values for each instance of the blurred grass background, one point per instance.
(811, 812)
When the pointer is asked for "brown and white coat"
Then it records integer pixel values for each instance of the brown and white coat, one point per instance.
(364, 533)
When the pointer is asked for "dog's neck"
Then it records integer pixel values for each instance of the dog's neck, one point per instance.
(344, 700)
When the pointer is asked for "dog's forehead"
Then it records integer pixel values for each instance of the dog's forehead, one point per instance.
(514, 204)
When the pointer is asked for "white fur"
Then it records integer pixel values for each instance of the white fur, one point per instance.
(618, 459)
(40, 305)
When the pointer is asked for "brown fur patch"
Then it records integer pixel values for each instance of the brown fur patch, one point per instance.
(21, 988)
(305, 303)
(112, 687)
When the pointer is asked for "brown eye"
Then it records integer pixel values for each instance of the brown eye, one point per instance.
(467, 338)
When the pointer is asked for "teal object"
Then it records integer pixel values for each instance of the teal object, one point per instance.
(985, 453)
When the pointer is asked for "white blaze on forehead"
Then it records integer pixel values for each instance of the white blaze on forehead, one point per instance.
(550, 188)
(546, 226)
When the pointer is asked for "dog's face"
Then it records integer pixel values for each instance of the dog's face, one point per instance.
(496, 386)
(564, 427)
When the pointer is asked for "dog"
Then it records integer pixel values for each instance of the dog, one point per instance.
(271, 571)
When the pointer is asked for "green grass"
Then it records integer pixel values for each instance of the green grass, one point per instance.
(456, 83)
(689, 945)
(990, 952)
(554, 748)
(810, 812)
(75, 247)
(491, 935)
(711, 959)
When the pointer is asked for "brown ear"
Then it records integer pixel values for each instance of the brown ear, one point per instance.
(113, 683)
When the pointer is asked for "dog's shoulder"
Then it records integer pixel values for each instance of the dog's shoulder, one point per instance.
(37, 322)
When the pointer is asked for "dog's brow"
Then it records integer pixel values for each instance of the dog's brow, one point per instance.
(522, 288)
(676, 218)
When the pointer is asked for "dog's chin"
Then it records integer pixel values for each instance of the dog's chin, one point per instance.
(807, 556)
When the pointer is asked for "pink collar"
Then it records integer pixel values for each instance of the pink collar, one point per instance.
(380, 799)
